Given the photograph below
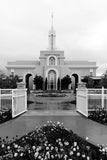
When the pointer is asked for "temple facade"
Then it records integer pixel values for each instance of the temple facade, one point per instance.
(52, 65)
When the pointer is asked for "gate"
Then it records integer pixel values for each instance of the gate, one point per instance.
(14, 99)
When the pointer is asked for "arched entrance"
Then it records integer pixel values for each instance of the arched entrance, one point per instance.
(74, 79)
(52, 80)
(29, 81)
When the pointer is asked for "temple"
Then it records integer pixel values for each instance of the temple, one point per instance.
(51, 65)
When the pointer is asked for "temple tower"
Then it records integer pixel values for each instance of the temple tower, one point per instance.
(52, 36)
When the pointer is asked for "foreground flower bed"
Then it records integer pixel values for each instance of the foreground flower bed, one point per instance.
(99, 115)
(50, 142)
(5, 115)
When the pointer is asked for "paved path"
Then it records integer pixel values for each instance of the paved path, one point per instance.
(51, 103)
(84, 127)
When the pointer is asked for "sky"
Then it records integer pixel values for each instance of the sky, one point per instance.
(80, 25)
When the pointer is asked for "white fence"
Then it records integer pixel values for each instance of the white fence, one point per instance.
(14, 99)
(90, 99)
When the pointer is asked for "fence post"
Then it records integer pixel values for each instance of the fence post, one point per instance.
(77, 99)
(0, 99)
(26, 99)
(86, 102)
(12, 103)
(102, 97)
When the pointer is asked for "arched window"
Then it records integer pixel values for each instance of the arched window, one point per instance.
(51, 80)
(52, 61)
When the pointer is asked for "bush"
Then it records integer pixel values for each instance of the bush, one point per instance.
(65, 81)
(99, 115)
(38, 81)
(9, 82)
(5, 115)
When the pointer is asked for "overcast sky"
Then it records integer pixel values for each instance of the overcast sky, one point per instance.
(81, 29)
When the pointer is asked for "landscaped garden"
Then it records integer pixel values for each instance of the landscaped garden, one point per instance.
(99, 115)
(5, 115)
(61, 93)
(50, 142)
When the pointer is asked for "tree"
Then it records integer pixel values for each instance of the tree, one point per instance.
(58, 84)
(14, 80)
(38, 81)
(46, 84)
(103, 81)
(65, 81)
(89, 81)
(9, 81)
(2, 75)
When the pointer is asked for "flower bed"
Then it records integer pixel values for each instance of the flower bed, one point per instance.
(5, 115)
(50, 142)
(99, 115)
(51, 95)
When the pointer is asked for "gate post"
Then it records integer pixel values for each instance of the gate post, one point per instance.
(87, 102)
(0, 99)
(102, 105)
(26, 99)
(12, 103)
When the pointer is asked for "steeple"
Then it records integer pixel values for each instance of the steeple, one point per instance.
(52, 21)
(52, 35)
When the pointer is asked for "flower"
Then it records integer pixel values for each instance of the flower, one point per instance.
(56, 148)
(75, 144)
(58, 123)
(2, 146)
(78, 154)
(66, 143)
(39, 157)
(21, 154)
(47, 148)
(87, 138)
(34, 147)
(8, 147)
(88, 158)
(52, 147)
(15, 154)
(83, 155)
(71, 153)
(15, 146)
(52, 156)
(36, 154)
(74, 149)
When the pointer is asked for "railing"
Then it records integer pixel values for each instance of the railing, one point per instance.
(14, 99)
(90, 99)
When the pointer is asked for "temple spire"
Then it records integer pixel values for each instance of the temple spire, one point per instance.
(52, 35)
(52, 20)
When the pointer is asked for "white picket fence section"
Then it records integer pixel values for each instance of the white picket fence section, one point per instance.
(14, 99)
(90, 99)
(81, 101)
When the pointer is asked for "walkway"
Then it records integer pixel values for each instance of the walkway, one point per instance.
(84, 127)
(97, 133)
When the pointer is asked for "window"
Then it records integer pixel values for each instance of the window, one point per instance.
(12, 72)
(52, 61)
(91, 72)
(51, 80)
